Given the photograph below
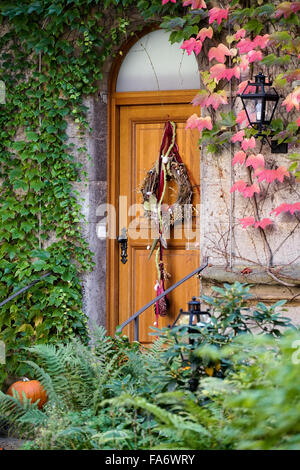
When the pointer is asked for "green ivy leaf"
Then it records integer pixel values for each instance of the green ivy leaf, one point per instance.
(254, 25)
(32, 136)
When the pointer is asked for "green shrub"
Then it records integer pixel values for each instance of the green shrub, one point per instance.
(262, 392)
(256, 407)
(231, 316)
(114, 394)
(78, 378)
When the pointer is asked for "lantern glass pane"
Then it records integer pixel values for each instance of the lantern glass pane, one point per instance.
(270, 105)
(258, 110)
(250, 106)
(183, 320)
(187, 319)
(194, 320)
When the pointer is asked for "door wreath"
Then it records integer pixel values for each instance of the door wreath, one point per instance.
(169, 166)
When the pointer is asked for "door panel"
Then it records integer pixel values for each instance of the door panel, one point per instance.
(141, 132)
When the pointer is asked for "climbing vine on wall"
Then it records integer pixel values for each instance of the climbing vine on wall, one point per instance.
(52, 53)
(241, 38)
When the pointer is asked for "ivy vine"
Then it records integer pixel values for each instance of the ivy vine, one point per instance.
(52, 53)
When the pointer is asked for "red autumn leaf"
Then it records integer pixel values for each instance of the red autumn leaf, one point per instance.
(239, 157)
(272, 175)
(216, 99)
(245, 45)
(219, 71)
(292, 100)
(256, 161)
(188, 45)
(205, 33)
(263, 223)
(218, 14)
(219, 53)
(250, 190)
(246, 271)
(238, 136)
(196, 4)
(248, 143)
(234, 72)
(286, 208)
(242, 117)
(198, 47)
(252, 56)
(261, 41)
(240, 34)
(281, 172)
(247, 221)
(191, 45)
(239, 186)
(200, 98)
(295, 7)
(242, 87)
(198, 122)
(268, 175)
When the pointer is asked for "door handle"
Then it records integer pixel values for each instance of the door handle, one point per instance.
(122, 239)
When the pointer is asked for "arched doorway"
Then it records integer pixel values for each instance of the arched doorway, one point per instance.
(153, 83)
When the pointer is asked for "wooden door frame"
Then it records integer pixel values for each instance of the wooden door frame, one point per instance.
(115, 101)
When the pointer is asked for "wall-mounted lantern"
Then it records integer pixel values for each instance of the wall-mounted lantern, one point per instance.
(260, 105)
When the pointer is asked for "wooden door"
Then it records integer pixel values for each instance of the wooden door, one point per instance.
(141, 131)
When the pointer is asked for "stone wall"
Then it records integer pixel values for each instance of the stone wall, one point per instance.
(94, 193)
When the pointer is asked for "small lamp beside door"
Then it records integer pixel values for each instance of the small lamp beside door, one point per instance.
(193, 317)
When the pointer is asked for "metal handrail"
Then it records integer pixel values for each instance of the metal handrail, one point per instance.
(135, 317)
(24, 289)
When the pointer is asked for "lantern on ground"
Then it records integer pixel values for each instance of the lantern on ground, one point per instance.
(194, 317)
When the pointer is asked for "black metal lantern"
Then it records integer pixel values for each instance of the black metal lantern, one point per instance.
(193, 317)
(260, 105)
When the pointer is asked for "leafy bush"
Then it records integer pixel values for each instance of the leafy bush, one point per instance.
(231, 316)
(262, 392)
(257, 406)
(117, 395)
(78, 379)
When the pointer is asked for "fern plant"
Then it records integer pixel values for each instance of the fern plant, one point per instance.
(181, 422)
(77, 379)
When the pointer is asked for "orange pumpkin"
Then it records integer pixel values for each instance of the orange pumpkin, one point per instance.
(33, 390)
